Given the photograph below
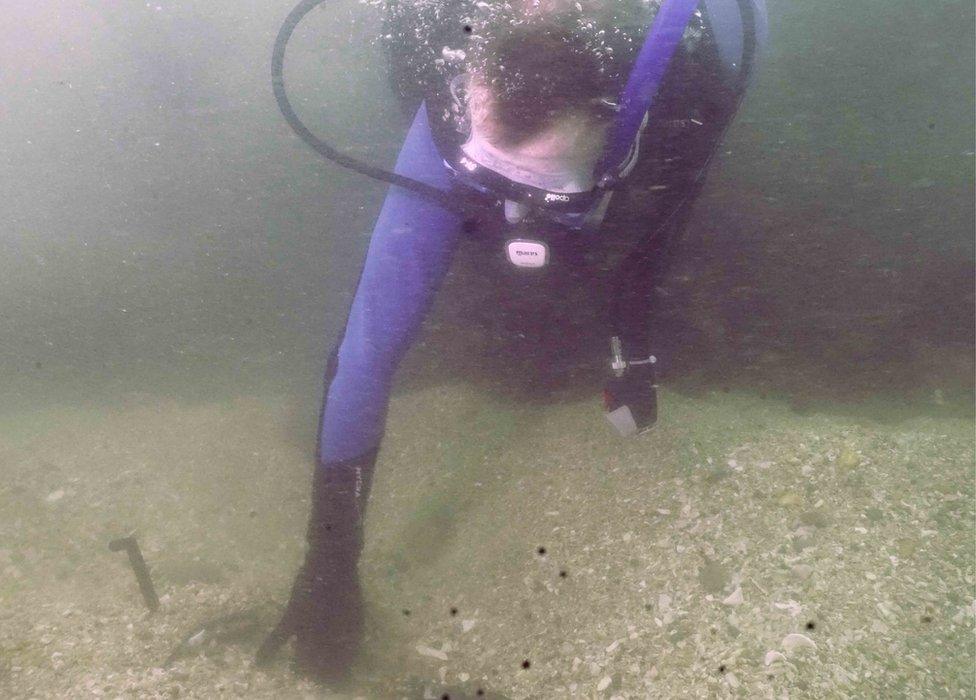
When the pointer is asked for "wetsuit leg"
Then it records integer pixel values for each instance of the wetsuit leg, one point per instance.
(409, 254)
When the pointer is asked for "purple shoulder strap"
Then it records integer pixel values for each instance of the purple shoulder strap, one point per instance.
(645, 78)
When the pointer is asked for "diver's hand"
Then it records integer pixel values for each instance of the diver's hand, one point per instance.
(631, 400)
(325, 609)
(324, 615)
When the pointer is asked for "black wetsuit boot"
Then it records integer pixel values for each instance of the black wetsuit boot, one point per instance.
(325, 610)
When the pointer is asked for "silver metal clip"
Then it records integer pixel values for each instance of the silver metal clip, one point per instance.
(617, 362)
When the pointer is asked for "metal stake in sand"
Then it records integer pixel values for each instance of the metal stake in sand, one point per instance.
(139, 567)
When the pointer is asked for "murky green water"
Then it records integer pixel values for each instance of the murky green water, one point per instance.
(174, 265)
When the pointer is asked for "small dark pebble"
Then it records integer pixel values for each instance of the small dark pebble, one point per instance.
(926, 618)
(811, 625)
(541, 551)
(406, 612)
(563, 574)
(721, 669)
(526, 663)
(454, 611)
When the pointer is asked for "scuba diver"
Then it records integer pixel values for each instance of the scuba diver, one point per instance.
(560, 135)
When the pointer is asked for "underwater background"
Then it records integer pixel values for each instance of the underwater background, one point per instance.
(175, 264)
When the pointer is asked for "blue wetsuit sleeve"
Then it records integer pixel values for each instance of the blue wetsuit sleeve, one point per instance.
(409, 253)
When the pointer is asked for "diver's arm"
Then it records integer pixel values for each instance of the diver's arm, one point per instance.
(409, 253)
(411, 247)
(697, 105)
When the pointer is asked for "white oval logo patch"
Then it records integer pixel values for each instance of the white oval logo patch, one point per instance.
(523, 253)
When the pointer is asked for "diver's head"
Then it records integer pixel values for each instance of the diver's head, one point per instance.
(537, 77)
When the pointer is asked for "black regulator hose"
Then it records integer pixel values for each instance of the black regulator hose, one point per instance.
(321, 147)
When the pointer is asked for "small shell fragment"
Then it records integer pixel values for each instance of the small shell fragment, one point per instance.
(796, 640)
(773, 656)
(433, 653)
(735, 598)
(791, 606)
(55, 496)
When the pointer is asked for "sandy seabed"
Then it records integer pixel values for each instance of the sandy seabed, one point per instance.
(737, 550)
